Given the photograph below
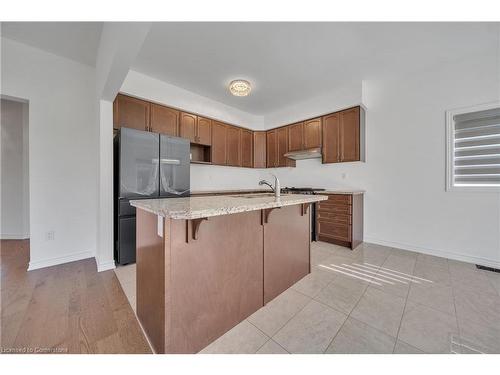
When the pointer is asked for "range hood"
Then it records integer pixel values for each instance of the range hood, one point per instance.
(310, 153)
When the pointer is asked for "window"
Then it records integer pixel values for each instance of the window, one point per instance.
(473, 152)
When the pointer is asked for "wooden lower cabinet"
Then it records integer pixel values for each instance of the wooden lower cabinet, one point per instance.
(339, 220)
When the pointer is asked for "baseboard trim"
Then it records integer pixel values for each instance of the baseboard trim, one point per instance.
(60, 260)
(436, 252)
(105, 266)
(15, 236)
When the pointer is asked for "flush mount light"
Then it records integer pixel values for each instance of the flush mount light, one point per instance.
(240, 87)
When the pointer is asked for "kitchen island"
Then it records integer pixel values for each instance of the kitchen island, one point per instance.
(206, 263)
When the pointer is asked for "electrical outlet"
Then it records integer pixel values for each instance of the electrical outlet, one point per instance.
(49, 236)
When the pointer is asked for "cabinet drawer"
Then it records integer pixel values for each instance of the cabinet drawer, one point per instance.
(338, 209)
(334, 230)
(334, 217)
(343, 199)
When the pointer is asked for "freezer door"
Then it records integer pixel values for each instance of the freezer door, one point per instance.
(139, 153)
(174, 166)
(126, 240)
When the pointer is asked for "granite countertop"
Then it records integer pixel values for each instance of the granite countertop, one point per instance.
(229, 191)
(199, 207)
(342, 191)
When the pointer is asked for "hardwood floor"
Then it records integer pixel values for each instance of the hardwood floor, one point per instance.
(70, 308)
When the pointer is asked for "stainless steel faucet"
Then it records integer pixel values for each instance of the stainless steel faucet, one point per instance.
(276, 189)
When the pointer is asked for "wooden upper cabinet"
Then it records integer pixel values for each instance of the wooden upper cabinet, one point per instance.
(246, 148)
(312, 133)
(282, 135)
(331, 138)
(187, 127)
(349, 135)
(272, 149)
(219, 137)
(296, 137)
(130, 113)
(164, 120)
(233, 146)
(259, 150)
(204, 131)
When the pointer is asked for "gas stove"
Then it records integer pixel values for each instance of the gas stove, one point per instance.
(305, 190)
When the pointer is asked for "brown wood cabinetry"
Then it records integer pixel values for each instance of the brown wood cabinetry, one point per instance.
(164, 120)
(349, 135)
(130, 112)
(204, 131)
(277, 147)
(219, 137)
(312, 133)
(340, 219)
(187, 128)
(343, 136)
(282, 139)
(233, 146)
(246, 148)
(259, 149)
(296, 137)
(331, 146)
(340, 135)
(195, 128)
(272, 149)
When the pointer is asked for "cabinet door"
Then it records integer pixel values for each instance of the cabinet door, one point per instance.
(164, 120)
(331, 146)
(272, 149)
(219, 138)
(233, 146)
(187, 128)
(204, 131)
(296, 137)
(246, 148)
(312, 133)
(282, 134)
(349, 135)
(259, 149)
(130, 113)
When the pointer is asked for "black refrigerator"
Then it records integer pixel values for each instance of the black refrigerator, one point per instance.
(146, 166)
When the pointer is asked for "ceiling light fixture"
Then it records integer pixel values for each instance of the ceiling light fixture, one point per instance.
(240, 87)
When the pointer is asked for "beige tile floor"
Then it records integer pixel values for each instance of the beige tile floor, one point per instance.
(374, 299)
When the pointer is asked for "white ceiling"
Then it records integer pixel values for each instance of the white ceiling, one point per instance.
(286, 62)
(75, 40)
(290, 62)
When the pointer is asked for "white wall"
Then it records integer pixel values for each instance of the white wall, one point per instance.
(14, 177)
(63, 146)
(406, 204)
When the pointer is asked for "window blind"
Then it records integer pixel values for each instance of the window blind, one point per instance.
(477, 148)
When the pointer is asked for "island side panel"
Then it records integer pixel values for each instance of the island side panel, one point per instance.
(286, 249)
(151, 266)
(217, 280)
